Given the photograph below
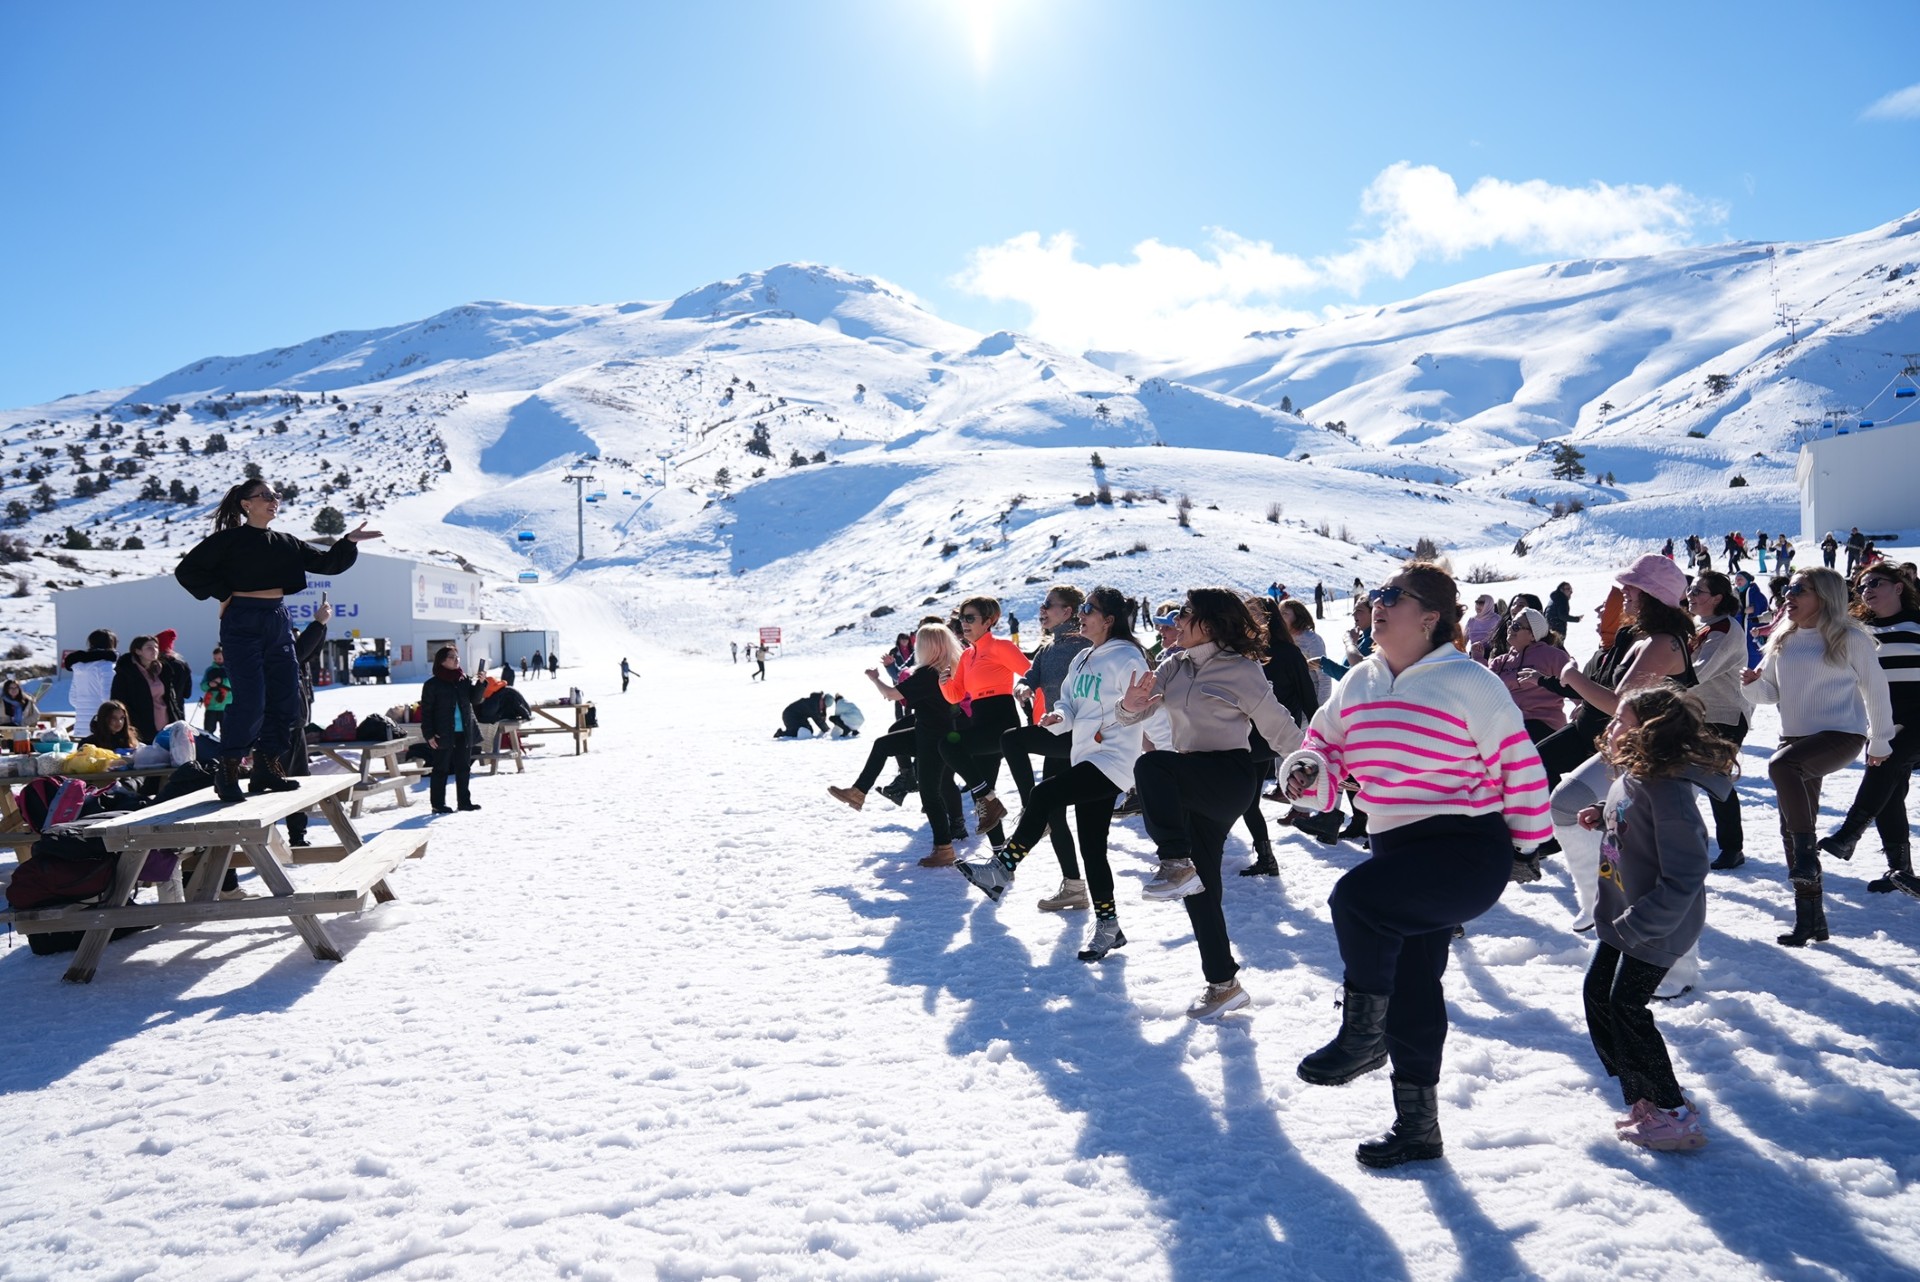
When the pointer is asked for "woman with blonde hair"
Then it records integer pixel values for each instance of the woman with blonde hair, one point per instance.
(1822, 670)
(935, 652)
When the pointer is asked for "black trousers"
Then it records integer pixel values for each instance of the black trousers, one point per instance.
(972, 748)
(897, 744)
(1087, 789)
(1562, 751)
(1882, 799)
(939, 798)
(1189, 801)
(1055, 750)
(453, 758)
(1617, 991)
(1727, 831)
(1394, 917)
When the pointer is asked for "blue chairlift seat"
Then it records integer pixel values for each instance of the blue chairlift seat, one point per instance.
(1866, 422)
(526, 536)
(529, 576)
(1905, 393)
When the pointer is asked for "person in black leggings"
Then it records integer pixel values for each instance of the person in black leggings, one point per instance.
(1890, 607)
(1060, 621)
(981, 687)
(935, 652)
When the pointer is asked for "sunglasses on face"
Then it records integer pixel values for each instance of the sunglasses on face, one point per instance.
(1793, 590)
(270, 498)
(1872, 584)
(1389, 597)
(969, 618)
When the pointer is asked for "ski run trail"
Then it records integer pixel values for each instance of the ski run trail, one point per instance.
(666, 1010)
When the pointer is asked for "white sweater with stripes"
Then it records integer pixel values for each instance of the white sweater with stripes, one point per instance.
(1442, 738)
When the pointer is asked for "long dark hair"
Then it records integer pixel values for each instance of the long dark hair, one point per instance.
(133, 652)
(100, 728)
(1656, 618)
(229, 515)
(1720, 588)
(1229, 623)
(1279, 637)
(1113, 603)
(1433, 586)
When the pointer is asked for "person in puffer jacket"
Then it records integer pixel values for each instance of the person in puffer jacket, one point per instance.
(1452, 787)
(1203, 776)
(92, 670)
(1102, 752)
(1653, 898)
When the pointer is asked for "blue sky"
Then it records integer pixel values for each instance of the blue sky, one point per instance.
(178, 181)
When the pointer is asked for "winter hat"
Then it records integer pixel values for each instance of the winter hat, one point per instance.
(1658, 577)
(166, 639)
(1535, 621)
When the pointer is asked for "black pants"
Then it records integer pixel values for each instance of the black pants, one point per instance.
(214, 717)
(897, 744)
(1882, 799)
(1087, 789)
(792, 722)
(1394, 917)
(1189, 801)
(1617, 991)
(1562, 751)
(972, 749)
(1727, 831)
(939, 798)
(1055, 750)
(451, 758)
(257, 640)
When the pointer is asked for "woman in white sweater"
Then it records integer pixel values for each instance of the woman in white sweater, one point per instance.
(1719, 657)
(1102, 759)
(1822, 670)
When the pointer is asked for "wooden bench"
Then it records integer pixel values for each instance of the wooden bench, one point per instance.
(563, 718)
(250, 828)
(379, 764)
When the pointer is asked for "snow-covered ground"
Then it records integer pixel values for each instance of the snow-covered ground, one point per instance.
(667, 1010)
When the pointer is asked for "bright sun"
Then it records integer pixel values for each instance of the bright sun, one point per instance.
(981, 20)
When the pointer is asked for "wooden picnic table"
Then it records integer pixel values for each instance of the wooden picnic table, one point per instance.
(250, 828)
(563, 718)
(380, 764)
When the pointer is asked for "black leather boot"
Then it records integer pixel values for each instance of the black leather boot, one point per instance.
(1415, 1136)
(226, 781)
(1325, 828)
(1899, 860)
(1360, 1047)
(267, 776)
(1803, 859)
(1263, 864)
(1841, 841)
(1809, 916)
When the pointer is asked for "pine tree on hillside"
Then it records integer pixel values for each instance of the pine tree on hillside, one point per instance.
(329, 521)
(1566, 462)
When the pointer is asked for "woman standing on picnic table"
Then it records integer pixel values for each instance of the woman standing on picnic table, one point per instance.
(452, 729)
(250, 569)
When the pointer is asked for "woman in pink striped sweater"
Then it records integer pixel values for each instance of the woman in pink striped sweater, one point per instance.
(1452, 788)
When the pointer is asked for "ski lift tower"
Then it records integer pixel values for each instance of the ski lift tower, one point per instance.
(579, 481)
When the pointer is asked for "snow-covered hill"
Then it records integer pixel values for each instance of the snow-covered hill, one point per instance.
(807, 442)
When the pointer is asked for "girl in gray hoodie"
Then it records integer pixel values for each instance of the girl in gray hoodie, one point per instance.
(1653, 897)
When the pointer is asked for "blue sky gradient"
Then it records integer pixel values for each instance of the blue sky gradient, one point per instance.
(183, 181)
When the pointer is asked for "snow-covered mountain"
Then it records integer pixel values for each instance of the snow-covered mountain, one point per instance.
(823, 441)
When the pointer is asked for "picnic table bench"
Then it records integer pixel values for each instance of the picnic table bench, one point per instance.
(250, 828)
(380, 764)
(562, 718)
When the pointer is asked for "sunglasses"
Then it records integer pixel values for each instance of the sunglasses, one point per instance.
(969, 618)
(1390, 597)
(269, 497)
(1794, 589)
(1868, 585)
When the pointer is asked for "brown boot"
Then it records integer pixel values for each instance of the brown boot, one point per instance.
(854, 797)
(942, 857)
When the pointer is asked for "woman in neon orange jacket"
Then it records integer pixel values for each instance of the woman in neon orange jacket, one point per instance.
(981, 687)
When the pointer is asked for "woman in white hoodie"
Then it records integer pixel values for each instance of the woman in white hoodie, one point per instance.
(1102, 759)
(92, 670)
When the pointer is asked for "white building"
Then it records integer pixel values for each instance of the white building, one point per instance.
(1860, 479)
(413, 605)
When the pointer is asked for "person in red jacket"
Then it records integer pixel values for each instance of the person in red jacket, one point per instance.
(981, 688)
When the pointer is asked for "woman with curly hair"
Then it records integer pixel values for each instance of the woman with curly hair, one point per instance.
(1821, 668)
(1890, 608)
(1653, 897)
(1214, 692)
(1453, 787)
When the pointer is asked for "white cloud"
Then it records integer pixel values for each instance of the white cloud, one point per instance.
(1175, 301)
(1901, 104)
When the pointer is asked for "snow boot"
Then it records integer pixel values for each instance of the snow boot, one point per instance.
(1324, 828)
(1803, 859)
(1175, 880)
(988, 809)
(268, 776)
(1359, 1048)
(1809, 916)
(1415, 1136)
(957, 825)
(1263, 865)
(1728, 859)
(855, 797)
(897, 790)
(1356, 829)
(1107, 936)
(226, 781)
(942, 857)
(1218, 1000)
(992, 877)
(1899, 860)
(1072, 894)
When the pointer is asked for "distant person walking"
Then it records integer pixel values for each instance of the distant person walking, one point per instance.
(1319, 601)
(539, 661)
(626, 675)
(735, 647)
(553, 664)
(1829, 548)
(759, 672)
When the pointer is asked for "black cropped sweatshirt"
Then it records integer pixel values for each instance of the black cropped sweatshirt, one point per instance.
(244, 559)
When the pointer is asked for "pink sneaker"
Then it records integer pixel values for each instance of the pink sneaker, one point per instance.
(1635, 1115)
(1667, 1132)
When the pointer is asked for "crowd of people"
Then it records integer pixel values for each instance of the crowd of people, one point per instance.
(1460, 744)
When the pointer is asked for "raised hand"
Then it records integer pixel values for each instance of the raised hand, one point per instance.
(1139, 692)
(360, 533)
